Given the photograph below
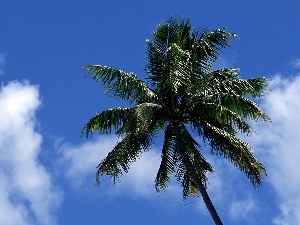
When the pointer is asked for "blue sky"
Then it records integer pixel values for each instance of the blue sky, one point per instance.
(47, 170)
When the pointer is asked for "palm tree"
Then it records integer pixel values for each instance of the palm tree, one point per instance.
(182, 95)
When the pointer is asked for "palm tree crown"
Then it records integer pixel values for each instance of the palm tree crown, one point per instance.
(182, 95)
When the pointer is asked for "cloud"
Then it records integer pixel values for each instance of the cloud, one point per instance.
(80, 162)
(27, 195)
(2, 63)
(142, 175)
(233, 196)
(278, 144)
(296, 63)
(242, 209)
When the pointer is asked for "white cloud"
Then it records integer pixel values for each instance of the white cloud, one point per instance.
(242, 209)
(233, 196)
(2, 63)
(142, 174)
(289, 212)
(80, 162)
(27, 195)
(279, 143)
(296, 63)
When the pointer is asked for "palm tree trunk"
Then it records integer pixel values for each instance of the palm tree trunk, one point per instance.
(208, 202)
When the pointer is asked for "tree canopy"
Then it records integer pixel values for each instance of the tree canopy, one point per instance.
(182, 97)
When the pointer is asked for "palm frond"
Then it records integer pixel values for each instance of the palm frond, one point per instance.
(139, 125)
(235, 150)
(207, 44)
(169, 40)
(108, 120)
(123, 154)
(167, 165)
(218, 115)
(226, 80)
(179, 69)
(181, 157)
(244, 107)
(173, 31)
(192, 163)
(143, 116)
(139, 131)
(125, 86)
(225, 91)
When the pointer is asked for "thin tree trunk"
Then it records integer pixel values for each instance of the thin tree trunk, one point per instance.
(208, 202)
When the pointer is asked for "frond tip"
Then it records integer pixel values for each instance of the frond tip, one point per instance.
(107, 120)
(120, 84)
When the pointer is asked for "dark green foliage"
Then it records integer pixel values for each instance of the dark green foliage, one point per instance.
(184, 94)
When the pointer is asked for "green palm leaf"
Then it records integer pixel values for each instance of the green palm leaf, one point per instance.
(139, 129)
(192, 163)
(236, 151)
(107, 120)
(123, 154)
(123, 85)
(167, 166)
